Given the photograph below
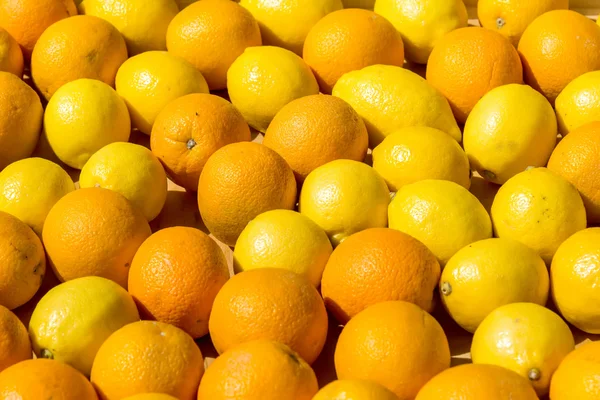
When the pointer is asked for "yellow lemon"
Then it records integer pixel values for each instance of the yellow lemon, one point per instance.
(366, 4)
(264, 79)
(511, 128)
(539, 209)
(73, 319)
(133, 171)
(283, 239)
(30, 187)
(579, 102)
(11, 56)
(485, 191)
(389, 98)
(82, 117)
(344, 197)
(355, 389)
(526, 338)
(443, 215)
(151, 80)
(423, 23)
(488, 274)
(418, 153)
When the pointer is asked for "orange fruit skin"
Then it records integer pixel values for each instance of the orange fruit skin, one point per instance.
(314, 130)
(93, 232)
(211, 34)
(273, 304)
(148, 357)
(239, 182)
(190, 129)
(469, 62)
(175, 276)
(578, 375)
(14, 340)
(376, 265)
(556, 48)
(349, 40)
(79, 47)
(44, 379)
(25, 20)
(577, 159)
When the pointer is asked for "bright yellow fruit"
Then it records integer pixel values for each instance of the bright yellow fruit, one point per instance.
(511, 128)
(355, 389)
(11, 56)
(417, 153)
(579, 102)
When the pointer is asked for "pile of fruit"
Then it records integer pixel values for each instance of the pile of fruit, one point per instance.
(299, 199)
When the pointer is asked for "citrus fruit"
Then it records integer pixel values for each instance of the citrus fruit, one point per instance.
(30, 187)
(417, 153)
(151, 396)
(264, 79)
(441, 214)
(395, 344)
(82, 117)
(175, 276)
(73, 319)
(149, 81)
(556, 48)
(283, 239)
(260, 369)
(344, 197)
(469, 62)
(93, 232)
(484, 191)
(14, 340)
(423, 26)
(579, 102)
(269, 303)
(349, 40)
(131, 170)
(538, 208)
(355, 389)
(239, 182)
(389, 98)
(488, 274)
(189, 129)
(511, 128)
(11, 56)
(211, 34)
(148, 357)
(314, 130)
(577, 374)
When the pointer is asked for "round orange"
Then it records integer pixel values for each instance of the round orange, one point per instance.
(469, 62)
(314, 130)
(349, 40)
(11, 56)
(14, 340)
(578, 375)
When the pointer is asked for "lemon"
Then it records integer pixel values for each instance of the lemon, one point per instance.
(485, 191)
(82, 117)
(423, 23)
(283, 239)
(526, 338)
(418, 153)
(264, 79)
(579, 102)
(133, 171)
(443, 215)
(511, 128)
(538, 208)
(344, 197)
(151, 80)
(488, 274)
(389, 98)
(73, 319)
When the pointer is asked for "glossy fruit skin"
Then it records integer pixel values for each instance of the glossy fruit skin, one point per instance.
(577, 374)
(355, 389)
(579, 102)
(14, 340)
(11, 56)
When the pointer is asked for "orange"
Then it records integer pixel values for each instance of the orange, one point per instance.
(25, 20)
(556, 48)
(175, 276)
(469, 62)
(395, 344)
(211, 34)
(476, 382)
(376, 265)
(93, 232)
(354, 389)
(314, 130)
(259, 370)
(269, 303)
(80, 47)
(188, 130)
(349, 40)
(148, 357)
(578, 375)
(44, 379)
(14, 340)
(11, 56)
(576, 158)
(239, 182)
